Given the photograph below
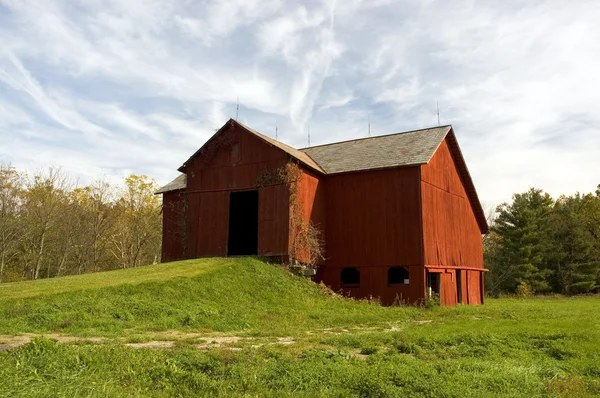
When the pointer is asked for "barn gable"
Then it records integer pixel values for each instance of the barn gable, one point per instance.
(222, 136)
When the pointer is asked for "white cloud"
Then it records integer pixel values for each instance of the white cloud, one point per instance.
(109, 87)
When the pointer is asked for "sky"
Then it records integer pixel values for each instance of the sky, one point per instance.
(109, 88)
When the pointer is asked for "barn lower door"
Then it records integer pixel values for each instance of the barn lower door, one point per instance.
(434, 284)
(243, 224)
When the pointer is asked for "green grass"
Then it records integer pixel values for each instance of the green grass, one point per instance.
(130, 276)
(242, 294)
(541, 347)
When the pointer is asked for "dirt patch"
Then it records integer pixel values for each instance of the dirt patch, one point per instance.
(10, 342)
(218, 341)
(152, 344)
(165, 340)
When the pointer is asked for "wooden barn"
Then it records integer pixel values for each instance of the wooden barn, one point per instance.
(395, 217)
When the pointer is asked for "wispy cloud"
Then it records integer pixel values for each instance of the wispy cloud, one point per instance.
(113, 87)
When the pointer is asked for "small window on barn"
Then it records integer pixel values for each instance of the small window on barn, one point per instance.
(350, 276)
(398, 276)
(234, 154)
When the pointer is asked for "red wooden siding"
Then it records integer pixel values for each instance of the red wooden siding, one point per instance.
(311, 196)
(234, 164)
(209, 216)
(173, 226)
(219, 170)
(373, 219)
(273, 215)
(449, 294)
(311, 193)
(374, 282)
(373, 222)
(474, 287)
(451, 235)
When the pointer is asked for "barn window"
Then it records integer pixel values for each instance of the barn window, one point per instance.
(350, 276)
(397, 276)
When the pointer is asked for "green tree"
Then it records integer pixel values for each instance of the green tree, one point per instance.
(573, 254)
(522, 230)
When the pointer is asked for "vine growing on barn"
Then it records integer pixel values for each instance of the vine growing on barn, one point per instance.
(306, 239)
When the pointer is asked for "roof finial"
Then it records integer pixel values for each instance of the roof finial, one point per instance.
(308, 128)
(237, 108)
(438, 112)
(275, 128)
(369, 125)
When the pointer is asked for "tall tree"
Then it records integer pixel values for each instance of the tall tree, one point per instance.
(95, 215)
(10, 228)
(136, 234)
(522, 229)
(572, 255)
(45, 193)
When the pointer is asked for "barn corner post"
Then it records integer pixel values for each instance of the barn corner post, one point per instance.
(306, 238)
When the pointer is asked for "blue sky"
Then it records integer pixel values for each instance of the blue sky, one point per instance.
(115, 87)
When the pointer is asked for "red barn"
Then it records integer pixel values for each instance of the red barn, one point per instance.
(397, 215)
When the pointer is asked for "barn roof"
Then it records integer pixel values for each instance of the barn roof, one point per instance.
(178, 183)
(403, 149)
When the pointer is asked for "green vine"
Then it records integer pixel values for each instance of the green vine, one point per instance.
(306, 242)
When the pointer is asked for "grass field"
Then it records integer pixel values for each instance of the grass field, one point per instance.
(240, 327)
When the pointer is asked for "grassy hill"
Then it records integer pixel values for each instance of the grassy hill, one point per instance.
(240, 327)
(212, 294)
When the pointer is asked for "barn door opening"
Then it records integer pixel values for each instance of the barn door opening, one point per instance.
(433, 284)
(243, 224)
(459, 286)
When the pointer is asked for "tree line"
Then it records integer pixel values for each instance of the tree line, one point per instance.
(538, 244)
(51, 227)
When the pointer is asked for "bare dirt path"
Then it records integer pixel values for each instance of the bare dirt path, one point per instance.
(171, 339)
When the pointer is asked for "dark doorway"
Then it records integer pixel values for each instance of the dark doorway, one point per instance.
(243, 223)
(433, 283)
(459, 286)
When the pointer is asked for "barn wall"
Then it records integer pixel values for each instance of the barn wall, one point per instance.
(373, 218)
(233, 161)
(209, 223)
(451, 235)
(373, 222)
(311, 199)
(273, 216)
(173, 245)
(374, 282)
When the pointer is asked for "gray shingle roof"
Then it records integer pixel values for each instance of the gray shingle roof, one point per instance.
(403, 149)
(178, 183)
